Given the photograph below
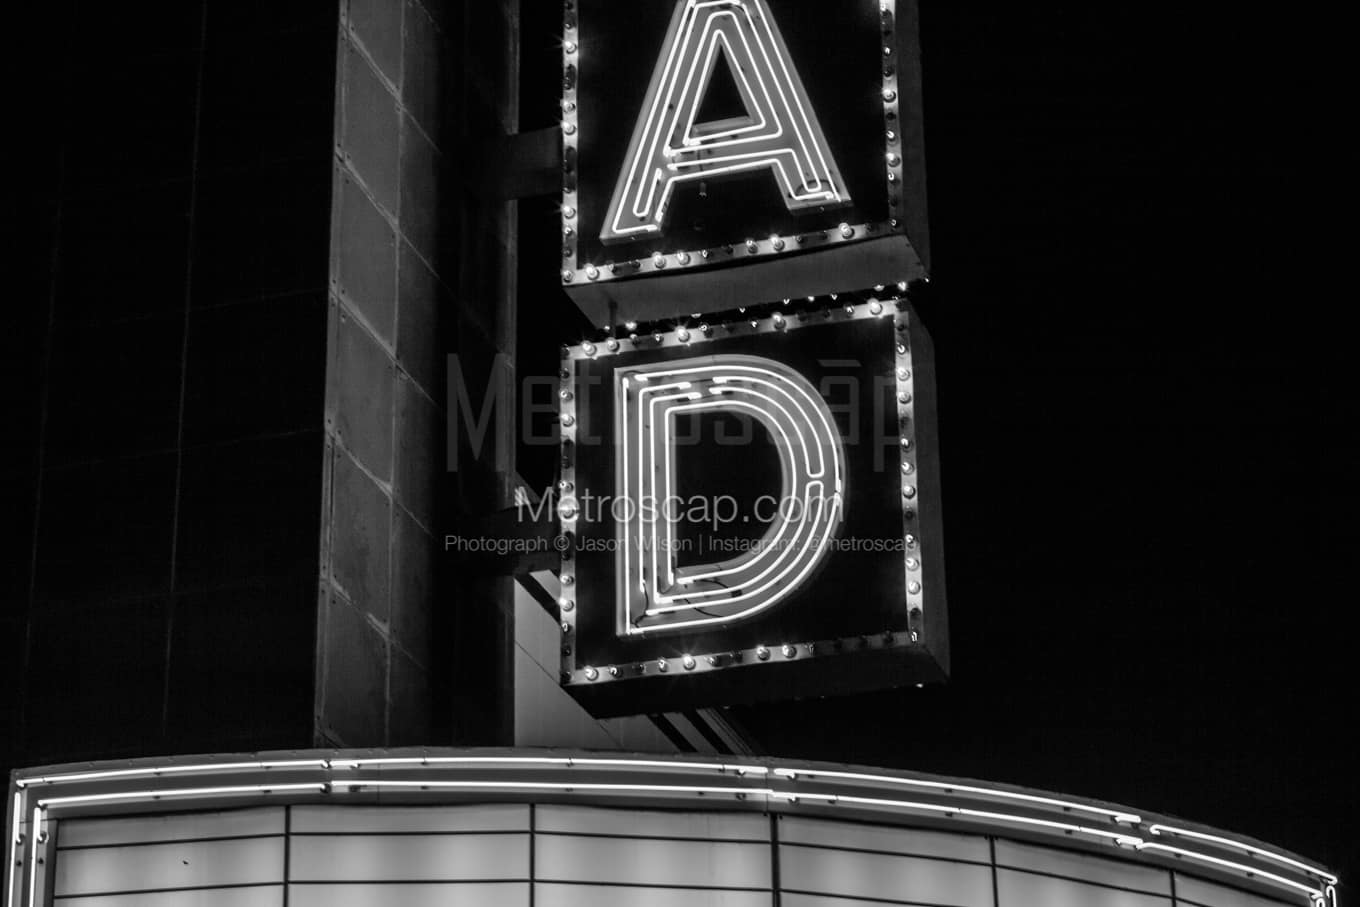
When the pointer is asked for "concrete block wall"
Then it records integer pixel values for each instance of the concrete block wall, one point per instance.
(420, 266)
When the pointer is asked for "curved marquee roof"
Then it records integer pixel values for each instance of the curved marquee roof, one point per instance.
(427, 776)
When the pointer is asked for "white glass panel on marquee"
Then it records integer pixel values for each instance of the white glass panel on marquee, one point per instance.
(474, 894)
(241, 823)
(1115, 873)
(270, 896)
(408, 819)
(652, 861)
(582, 856)
(156, 867)
(1191, 892)
(409, 858)
(587, 820)
(550, 895)
(886, 877)
(1023, 889)
(885, 839)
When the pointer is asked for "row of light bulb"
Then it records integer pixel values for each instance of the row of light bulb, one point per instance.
(906, 448)
(661, 260)
(689, 662)
(684, 334)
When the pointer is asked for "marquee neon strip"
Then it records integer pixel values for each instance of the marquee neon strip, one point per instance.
(787, 786)
(14, 844)
(174, 769)
(780, 132)
(1312, 891)
(656, 597)
(1158, 829)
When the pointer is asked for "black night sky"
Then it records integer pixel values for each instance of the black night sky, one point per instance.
(1137, 437)
(1140, 415)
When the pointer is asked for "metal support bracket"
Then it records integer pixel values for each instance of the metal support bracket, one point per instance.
(511, 542)
(524, 165)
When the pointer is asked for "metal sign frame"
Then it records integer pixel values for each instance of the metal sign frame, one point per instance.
(655, 280)
(908, 645)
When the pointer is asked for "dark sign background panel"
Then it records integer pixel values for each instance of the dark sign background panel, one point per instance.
(838, 50)
(850, 624)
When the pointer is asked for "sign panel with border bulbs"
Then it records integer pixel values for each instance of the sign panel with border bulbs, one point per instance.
(736, 150)
(750, 508)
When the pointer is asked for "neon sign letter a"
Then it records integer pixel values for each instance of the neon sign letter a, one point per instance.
(778, 134)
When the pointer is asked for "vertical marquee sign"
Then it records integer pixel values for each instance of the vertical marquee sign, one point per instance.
(731, 150)
(749, 498)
